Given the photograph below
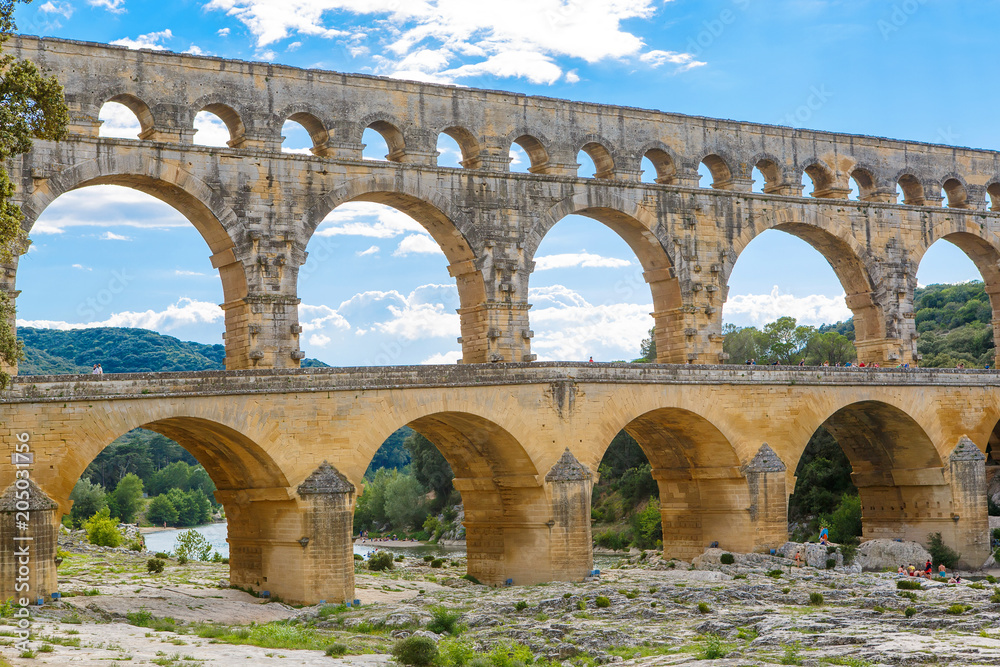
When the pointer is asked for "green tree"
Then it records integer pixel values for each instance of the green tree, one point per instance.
(822, 477)
(430, 468)
(126, 500)
(743, 344)
(88, 499)
(193, 545)
(102, 529)
(177, 475)
(647, 349)
(845, 520)
(161, 512)
(33, 107)
(830, 347)
(405, 505)
(785, 340)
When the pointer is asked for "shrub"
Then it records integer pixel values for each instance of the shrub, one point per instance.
(775, 574)
(428, 559)
(791, 655)
(182, 560)
(437, 562)
(990, 579)
(336, 650)
(909, 595)
(581, 605)
(909, 585)
(786, 590)
(358, 557)
(714, 648)
(703, 608)
(601, 602)
(416, 651)
(816, 599)
(831, 563)
(727, 559)
(469, 577)
(141, 618)
(192, 545)
(102, 530)
(520, 605)
(160, 554)
(443, 621)
(399, 558)
(612, 540)
(379, 561)
(941, 553)
(155, 565)
(957, 608)
(909, 612)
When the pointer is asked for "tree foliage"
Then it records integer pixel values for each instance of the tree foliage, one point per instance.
(88, 499)
(786, 342)
(32, 106)
(125, 501)
(102, 529)
(430, 468)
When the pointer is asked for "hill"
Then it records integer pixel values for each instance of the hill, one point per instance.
(118, 350)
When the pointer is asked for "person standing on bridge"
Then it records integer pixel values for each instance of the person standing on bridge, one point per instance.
(97, 370)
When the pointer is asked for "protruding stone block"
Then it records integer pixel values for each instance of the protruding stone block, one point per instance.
(29, 523)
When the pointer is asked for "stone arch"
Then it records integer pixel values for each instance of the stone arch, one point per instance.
(433, 211)
(534, 145)
(865, 179)
(663, 160)
(719, 166)
(955, 191)
(390, 130)
(704, 495)
(604, 162)
(822, 176)
(138, 107)
(638, 227)
(993, 189)
(848, 258)
(310, 119)
(772, 169)
(469, 145)
(229, 115)
(505, 501)
(913, 189)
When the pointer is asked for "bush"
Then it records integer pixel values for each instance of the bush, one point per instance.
(714, 648)
(102, 530)
(444, 621)
(990, 579)
(909, 585)
(520, 605)
(995, 598)
(909, 612)
(379, 561)
(727, 559)
(941, 553)
(775, 574)
(428, 559)
(957, 608)
(845, 520)
(182, 560)
(160, 554)
(612, 540)
(336, 650)
(703, 608)
(358, 557)
(136, 545)
(816, 599)
(155, 565)
(831, 563)
(192, 545)
(602, 602)
(416, 651)
(437, 562)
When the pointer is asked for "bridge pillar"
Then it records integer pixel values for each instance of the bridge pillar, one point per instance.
(29, 529)
(699, 506)
(300, 550)
(970, 516)
(766, 476)
(906, 504)
(570, 483)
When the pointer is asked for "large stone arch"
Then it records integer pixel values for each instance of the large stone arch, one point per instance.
(640, 229)
(434, 212)
(506, 502)
(851, 262)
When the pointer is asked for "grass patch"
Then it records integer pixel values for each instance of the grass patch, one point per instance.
(278, 634)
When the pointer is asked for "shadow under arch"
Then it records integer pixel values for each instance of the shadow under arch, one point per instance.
(897, 470)
(849, 261)
(433, 212)
(704, 494)
(501, 490)
(636, 226)
(195, 200)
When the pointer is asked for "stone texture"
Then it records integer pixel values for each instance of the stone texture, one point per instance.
(878, 555)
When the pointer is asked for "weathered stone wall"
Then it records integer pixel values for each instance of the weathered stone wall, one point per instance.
(257, 207)
(505, 430)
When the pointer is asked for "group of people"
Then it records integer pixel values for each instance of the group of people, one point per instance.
(97, 370)
(928, 572)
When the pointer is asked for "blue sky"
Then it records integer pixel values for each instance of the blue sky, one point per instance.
(375, 289)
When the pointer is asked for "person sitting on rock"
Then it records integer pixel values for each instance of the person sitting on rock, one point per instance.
(901, 570)
(824, 535)
(911, 571)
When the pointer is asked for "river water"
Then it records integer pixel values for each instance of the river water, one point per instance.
(215, 533)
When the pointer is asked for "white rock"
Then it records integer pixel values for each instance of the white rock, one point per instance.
(877, 555)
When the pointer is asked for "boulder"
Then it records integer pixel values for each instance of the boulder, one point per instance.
(813, 555)
(878, 555)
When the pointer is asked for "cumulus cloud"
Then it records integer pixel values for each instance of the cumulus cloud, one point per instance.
(315, 318)
(82, 267)
(759, 309)
(446, 41)
(184, 312)
(111, 236)
(210, 130)
(367, 219)
(118, 121)
(116, 6)
(107, 206)
(63, 9)
(150, 40)
(584, 260)
(452, 357)
(195, 50)
(224, 32)
(319, 340)
(417, 244)
(370, 250)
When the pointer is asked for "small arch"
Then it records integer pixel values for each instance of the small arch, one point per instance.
(230, 117)
(955, 193)
(604, 164)
(538, 157)
(664, 167)
(317, 131)
(820, 177)
(864, 182)
(719, 170)
(770, 173)
(138, 108)
(993, 193)
(393, 137)
(467, 144)
(912, 190)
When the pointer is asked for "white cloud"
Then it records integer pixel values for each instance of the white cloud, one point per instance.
(293, 46)
(445, 40)
(224, 32)
(118, 121)
(107, 206)
(195, 50)
(111, 236)
(184, 312)
(110, 5)
(319, 340)
(82, 267)
(581, 259)
(567, 327)
(417, 244)
(759, 309)
(371, 250)
(181, 272)
(148, 41)
(367, 219)
(684, 61)
(210, 130)
(63, 9)
(267, 55)
(572, 77)
(314, 318)
(452, 357)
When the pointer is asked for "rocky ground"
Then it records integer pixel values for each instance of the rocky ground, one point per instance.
(758, 610)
